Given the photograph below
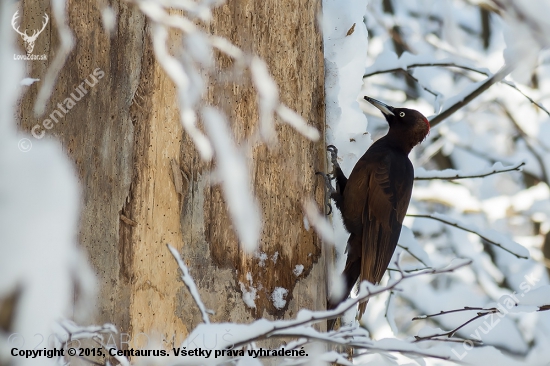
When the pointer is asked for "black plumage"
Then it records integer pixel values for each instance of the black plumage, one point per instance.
(375, 198)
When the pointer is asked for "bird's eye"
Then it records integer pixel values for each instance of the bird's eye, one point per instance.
(401, 114)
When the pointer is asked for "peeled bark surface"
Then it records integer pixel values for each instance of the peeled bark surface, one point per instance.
(128, 146)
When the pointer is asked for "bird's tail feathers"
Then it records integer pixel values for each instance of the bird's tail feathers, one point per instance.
(362, 308)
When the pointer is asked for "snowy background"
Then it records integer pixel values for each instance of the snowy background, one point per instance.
(479, 244)
(430, 55)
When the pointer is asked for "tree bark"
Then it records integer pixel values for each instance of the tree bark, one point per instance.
(128, 145)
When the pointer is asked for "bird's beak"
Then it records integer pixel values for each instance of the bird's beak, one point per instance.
(384, 108)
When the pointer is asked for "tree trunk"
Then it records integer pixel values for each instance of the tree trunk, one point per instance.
(127, 143)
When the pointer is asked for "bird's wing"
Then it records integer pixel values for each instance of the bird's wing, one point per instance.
(382, 216)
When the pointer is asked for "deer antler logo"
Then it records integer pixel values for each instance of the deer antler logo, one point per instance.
(29, 40)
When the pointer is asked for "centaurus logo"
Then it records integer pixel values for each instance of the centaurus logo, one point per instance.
(29, 40)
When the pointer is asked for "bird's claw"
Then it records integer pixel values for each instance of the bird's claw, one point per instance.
(329, 188)
(333, 158)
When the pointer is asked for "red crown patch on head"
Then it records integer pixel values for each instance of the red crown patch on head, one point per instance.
(427, 124)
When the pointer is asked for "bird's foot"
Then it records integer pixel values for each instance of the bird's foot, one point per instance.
(333, 158)
(328, 191)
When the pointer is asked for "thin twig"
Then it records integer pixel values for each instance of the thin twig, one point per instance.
(428, 64)
(466, 308)
(458, 226)
(350, 342)
(188, 280)
(409, 270)
(516, 167)
(412, 255)
(451, 333)
(410, 352)
(432, 92)
(489, 158)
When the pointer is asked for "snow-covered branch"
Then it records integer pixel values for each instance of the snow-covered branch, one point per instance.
(480, 313)
(188, 280)
(451, 333)
(467, 96)
(489, 236)
(66, 45)
(321, 225)
(300, 327)
(406, 69)
(452, 174)
(366, 291)
(408, 250)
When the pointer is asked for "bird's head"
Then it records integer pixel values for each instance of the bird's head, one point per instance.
(408, 125)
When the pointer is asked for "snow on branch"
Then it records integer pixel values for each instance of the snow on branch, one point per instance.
(358, 338)
(528, 302)
(243, 335)
(452, 174)
(263, 328)
(408, 64)
(408, 243)
(233, 174)
(321, 225)
(76, 332)
(66, 45)
(188, 73)
(467, 95)
(528, 141)
(490, 236)
(454, 64)
(71, 332)
(188, 280)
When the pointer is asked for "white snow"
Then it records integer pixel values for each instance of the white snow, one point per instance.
(262, 258)
(501, 125)
(278, 297)
(28, 81)
(233, 174)
(39, 212)
(249, 292)
(538, 297)
(298, 269)
(191, 287)
(345, 59)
